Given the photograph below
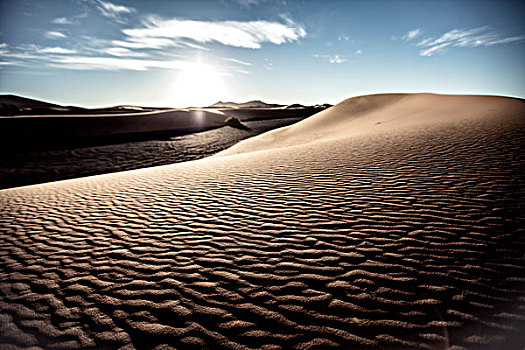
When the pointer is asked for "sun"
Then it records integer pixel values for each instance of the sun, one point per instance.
(197, 85)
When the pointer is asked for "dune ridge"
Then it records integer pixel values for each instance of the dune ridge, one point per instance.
(404, 237)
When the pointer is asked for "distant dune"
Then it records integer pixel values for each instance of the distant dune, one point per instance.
(24, 102)
(29, 123)
(249, 104)
(43, 129)
(11, 105)
(386, 221)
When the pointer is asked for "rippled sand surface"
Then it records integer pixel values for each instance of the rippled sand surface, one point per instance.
(408, 238)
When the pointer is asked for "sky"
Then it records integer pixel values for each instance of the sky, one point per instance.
(95, 53)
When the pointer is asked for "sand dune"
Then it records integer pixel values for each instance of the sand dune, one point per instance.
(382, 113)
(338, 233)
(31, 124)
(49, 127)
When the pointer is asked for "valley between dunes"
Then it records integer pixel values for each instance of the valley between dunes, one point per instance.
(387, 221)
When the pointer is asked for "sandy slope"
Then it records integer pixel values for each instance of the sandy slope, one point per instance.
(381, 113)
(401, 237)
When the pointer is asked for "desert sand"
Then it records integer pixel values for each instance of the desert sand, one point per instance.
(386, 221)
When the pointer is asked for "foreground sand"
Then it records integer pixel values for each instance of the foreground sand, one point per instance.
(406, 235)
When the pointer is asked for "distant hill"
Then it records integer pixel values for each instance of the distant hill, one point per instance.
(295, 105)
(249, 104)
(11, 105)
(18, 105)
(24, 102)
(324, 105)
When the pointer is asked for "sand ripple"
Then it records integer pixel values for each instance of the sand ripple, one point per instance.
(398, 240)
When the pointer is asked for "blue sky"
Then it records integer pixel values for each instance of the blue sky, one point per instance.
(180, 53)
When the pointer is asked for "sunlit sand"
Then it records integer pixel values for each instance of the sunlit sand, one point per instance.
(386, 221)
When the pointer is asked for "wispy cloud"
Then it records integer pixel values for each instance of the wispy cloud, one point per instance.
(103, 57)
(116, 63)
(337, 59)
(456, 36)
(155, 43)
(234, 60)
(248, 3)
(411, 34)
(474, 37)
(433, 50)
(249, 34)
(123, 52)
(61, 20)
(507, 40)
(33, 52)
(4, 52)
(8, 63)
(113, 11)
(56, 50)
(359, 52)
(343, 38)
(70, 59)
(21, 55)
(146, 43)
(55, 35)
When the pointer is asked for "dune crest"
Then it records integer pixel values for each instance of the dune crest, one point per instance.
(380, 113)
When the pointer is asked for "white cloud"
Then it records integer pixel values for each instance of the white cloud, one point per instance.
(116, 63)
(20, 55)
(123, 59)
(146, 43)
(3, 45)
(411, 34)
(61, 20)
(453, 36)
(237, 61)
(506, 40)
(56, 50)
(8, 63)
(433, 50)
(250, 34)
(55, 35)
(33, 52)
(359, 52)
(194, 46)
(123, 52)
(343, 38)
(337, 59)
(425, 41)
(248, 3)
(474, 37)
(110, 10)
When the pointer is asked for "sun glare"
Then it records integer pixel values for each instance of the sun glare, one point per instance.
(198, 85)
